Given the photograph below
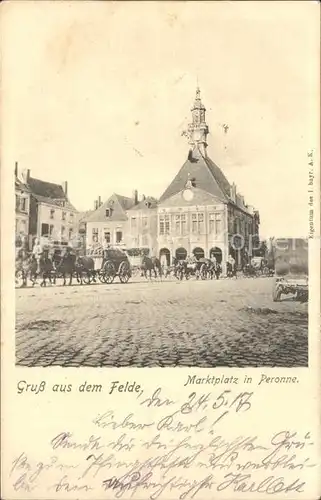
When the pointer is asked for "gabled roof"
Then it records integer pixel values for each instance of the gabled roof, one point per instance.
(200, 197)
(119, 205)
(208, 177)
(50, 193)
(125, 202)
(46, 189)
(147, 204)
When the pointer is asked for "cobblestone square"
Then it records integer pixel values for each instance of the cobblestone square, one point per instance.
(232, 323)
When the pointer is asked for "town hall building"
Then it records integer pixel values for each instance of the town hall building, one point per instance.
(200, 213)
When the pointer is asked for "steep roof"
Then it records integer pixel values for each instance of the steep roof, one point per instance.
(200, 197)
(119, 205)
(46, 189)
(49, 192)
(148, 203)
(208, 177)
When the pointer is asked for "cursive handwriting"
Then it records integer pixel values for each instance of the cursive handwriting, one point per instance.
(165, 448)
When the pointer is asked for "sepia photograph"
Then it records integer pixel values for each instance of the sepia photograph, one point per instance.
(162, 186)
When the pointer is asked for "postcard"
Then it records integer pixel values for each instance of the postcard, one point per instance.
(160, 250)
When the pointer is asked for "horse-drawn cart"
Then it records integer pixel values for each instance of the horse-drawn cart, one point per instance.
(115, 263)
(291, 269)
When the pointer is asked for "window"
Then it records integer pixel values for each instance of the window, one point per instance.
(107, 212)
(167, 226)
(145, 221)
(51, 229)
(52, 213)
(95, 234)
(63, 230)
(180, 224)
(44, 229)
(107, 236)
(218, 223)
(198, 223)
(17, 202)
(215, 223)
(70, 233)
(144, 240)
(63, 216)
(119, 236)
(134, 222)
(23, 204)
(164, 224)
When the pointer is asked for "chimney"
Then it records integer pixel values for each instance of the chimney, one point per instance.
(135, 196)
(65, 187)
(233, 192)
(26, 175)
(143, 197)
(16, 169)
(95, 205)
(99, 201)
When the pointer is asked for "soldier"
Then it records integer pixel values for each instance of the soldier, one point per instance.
(37, 252)
(191, 260)
(213, 260)
(231, 263)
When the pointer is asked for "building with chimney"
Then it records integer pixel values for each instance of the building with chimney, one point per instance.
(107, 224)
(52, 217)
(200, 212)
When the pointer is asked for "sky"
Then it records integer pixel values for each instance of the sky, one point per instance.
(98, 94)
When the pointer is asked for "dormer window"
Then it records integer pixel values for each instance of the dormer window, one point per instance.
(108, 212)
(193, 181)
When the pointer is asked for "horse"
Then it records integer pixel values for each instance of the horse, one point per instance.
(149, 264)
(46, 269)
(27, 265)
(213, 269)
(85, 265)
(67, 265)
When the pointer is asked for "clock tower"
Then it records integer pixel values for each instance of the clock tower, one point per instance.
(198, 129)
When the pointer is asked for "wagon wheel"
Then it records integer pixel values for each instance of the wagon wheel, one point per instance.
(203, 272)
(124, 272)
(109, 272)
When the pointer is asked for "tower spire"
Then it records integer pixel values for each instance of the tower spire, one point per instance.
(198, 129)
